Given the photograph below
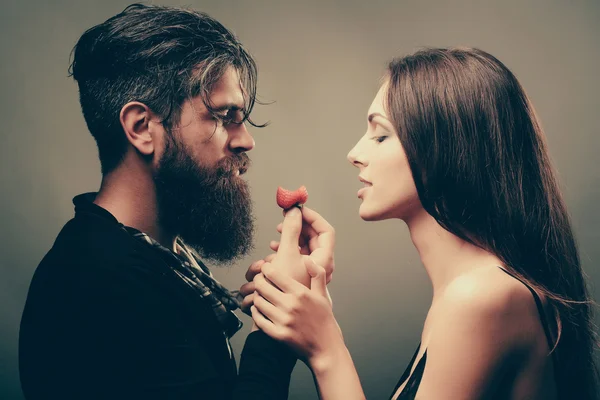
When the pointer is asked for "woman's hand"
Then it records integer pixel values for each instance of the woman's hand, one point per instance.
(247, 289)
(300, 316)
(316, 239)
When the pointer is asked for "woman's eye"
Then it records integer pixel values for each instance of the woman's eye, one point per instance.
(380, 139)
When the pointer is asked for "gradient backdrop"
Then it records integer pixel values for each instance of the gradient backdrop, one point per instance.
(320, 62)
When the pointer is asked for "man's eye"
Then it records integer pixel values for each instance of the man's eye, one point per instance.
(232, 116)
(221, 118)
(235, 116)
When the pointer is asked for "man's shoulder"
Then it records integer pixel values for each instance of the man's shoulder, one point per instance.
(90, 239)
(87, 246)
(92, 265)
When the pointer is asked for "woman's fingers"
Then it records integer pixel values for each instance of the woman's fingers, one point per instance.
(318, 277)
(292, 227)
(281, 279)
(263, 323)
(272, 294)
(274, 314)
(302, 240)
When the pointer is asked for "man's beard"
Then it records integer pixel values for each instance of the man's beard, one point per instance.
(209, 208)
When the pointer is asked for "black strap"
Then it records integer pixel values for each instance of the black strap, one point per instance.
(540, 307)
(407, 370)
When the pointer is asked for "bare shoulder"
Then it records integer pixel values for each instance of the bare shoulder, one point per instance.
(488, 299)
(487, 318)
(488, 290)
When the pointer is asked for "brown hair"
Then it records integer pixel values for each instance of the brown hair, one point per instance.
(482, 170)
(160, 56)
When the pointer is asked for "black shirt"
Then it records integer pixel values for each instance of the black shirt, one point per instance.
(106, 318)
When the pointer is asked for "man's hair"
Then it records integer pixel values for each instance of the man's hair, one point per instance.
(159, 56)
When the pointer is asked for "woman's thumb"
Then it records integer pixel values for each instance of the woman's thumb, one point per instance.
(318, 278)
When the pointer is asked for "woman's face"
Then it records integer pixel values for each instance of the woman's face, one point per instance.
(389, 190)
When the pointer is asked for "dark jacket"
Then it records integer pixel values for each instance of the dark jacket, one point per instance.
(106, 318)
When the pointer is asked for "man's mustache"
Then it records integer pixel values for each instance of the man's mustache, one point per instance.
(237, 162)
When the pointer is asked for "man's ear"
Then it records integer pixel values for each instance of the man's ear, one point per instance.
(135, 120)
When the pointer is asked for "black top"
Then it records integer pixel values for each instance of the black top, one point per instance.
(106, 318)
(409, 391)
(412, 386)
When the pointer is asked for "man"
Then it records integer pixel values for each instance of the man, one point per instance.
(122, 306)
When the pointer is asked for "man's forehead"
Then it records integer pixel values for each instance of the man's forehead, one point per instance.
(228, 99)
(228, 92)
(221, 101)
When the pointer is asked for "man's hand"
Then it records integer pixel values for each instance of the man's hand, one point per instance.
(247, 289)
(316, 241)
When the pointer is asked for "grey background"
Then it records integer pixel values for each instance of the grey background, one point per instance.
(321, 63)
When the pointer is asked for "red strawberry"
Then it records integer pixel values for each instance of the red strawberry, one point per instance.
(287, 199)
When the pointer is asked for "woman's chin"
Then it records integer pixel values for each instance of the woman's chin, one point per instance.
(368, 214)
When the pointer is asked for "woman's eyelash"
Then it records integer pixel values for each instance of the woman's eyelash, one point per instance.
(380, 139)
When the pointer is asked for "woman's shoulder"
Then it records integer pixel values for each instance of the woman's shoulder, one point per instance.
(492, 300)
(486, 323)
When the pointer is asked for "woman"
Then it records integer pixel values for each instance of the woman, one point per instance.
(454, 149)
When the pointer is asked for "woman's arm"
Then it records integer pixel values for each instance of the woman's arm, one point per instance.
(302, 317)
(336, 376)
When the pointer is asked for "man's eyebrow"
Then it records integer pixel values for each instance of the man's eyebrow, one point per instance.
(227, 107)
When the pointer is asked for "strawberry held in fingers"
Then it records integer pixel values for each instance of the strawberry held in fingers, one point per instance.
(287, 199)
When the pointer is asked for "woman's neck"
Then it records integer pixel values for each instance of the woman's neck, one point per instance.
(444, 255)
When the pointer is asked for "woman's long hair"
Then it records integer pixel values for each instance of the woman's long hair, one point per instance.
(482, 169)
